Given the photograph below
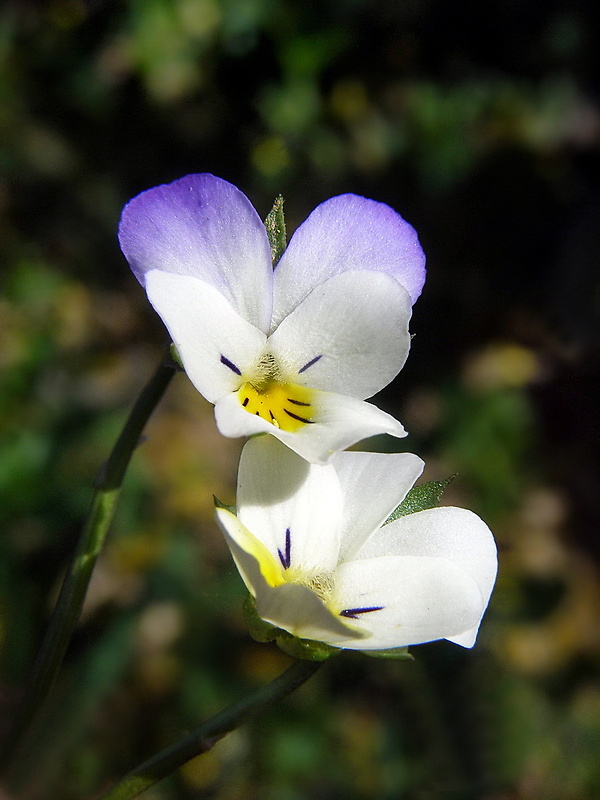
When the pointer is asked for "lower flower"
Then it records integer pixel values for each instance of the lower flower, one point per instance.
(313, 548)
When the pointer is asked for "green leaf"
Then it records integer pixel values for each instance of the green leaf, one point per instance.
(275, 225)
(427, 495)
(219, 504)
(394, 653)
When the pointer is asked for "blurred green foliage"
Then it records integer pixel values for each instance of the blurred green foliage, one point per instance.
(480, 124)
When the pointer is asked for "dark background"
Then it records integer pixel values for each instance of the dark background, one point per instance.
(479, 123)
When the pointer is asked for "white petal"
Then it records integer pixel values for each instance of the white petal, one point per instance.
(466, 639)
(419, 599)
(342, 234)
(205, 329)
(373, 485)
(353, 332)
(293, 607)
(297, 609)
(234, 421)
(202, 226)
(339, 422)
(255, 563)
(279, 492)
(453, 534)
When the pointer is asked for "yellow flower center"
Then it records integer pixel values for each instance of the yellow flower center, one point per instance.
(266, 394)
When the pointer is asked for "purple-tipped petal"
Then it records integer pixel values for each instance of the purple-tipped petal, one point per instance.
(344, 233)
(204, 227)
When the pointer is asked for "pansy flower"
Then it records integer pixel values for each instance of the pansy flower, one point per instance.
(292, 351)
(314, 550)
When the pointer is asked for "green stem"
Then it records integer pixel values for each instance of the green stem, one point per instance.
(207, 735)
(68, 607)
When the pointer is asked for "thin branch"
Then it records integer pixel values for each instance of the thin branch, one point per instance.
(207, 735)
(70, 601)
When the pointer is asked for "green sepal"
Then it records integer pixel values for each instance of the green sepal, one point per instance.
(306, 649)
(262, 631)
(275, 225)
(219, 504)
(258, 629)
(175, 357)
(427, 495)
(393, 654)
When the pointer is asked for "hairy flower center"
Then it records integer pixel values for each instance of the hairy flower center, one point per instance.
(267, 394)
(322, 585)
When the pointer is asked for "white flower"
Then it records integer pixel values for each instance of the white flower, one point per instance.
(312, 548)
(292, 351)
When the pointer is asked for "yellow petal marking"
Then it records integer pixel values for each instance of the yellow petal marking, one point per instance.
(286, 405)
(270, 568)
(275, 575)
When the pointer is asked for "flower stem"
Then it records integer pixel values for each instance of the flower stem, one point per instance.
(70, 601)
(207, 735)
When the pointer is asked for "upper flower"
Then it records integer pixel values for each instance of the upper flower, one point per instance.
(313, 549)
(292, 351)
